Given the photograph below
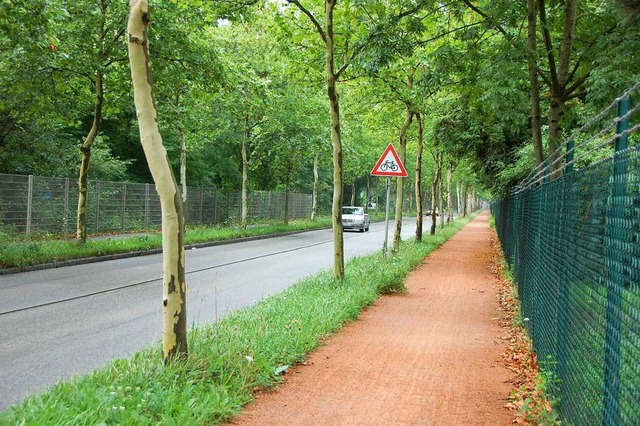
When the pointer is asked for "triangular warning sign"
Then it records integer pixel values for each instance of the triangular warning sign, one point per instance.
(389, 164)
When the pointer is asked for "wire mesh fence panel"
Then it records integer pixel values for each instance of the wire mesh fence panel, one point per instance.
(14, 203)
(135, 201)
(256, 206)
(276, 206)
(49, 210)
(574, 248)
(32, 204)
(193, 206)
(210, 207)
(234, 209)
(109, 213)
(301, 206)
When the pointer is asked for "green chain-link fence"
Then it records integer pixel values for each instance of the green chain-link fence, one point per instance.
(573, 245)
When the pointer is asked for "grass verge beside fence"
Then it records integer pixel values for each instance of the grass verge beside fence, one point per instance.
(23, 253)
(230, 359)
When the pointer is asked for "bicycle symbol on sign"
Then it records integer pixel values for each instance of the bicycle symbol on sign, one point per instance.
(389, 165)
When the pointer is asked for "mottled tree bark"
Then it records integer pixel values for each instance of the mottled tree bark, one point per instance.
(449, 198)
(465, 198)
(367, 200)
(287, 190)
(459, 198)
(441, 198)
(85, 164)
(183, 154)
(174, 330)
(402, 153)
(336, 142)
(353, 193)
(183, 163)
(418, 179)
(434, 190)
(314, 196)
(245, 172)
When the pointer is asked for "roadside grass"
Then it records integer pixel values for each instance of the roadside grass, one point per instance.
(21, 252)
(230, 359)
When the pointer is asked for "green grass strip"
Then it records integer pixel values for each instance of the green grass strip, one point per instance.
(229, 359)
(35, 252)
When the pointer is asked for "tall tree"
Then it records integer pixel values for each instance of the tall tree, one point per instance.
(107, 26)
(402, 153)
(573, 35)
(418, 177)
(174, 330)
(357, 33)
(326, 33)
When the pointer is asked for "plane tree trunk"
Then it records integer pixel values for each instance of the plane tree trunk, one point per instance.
(245, 172)
(449, 198)
(314, 196)
(85, 164)
(434, 192)
(336, 142)
(418, 180)
(174, 330)
(402, 153)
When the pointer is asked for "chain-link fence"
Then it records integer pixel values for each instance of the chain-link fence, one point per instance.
(32, 204)
(573, 245)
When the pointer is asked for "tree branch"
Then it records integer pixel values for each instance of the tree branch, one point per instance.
(579, 82)
(576, 95)
(353, 55)
(313, 19)
(571, 10)
(368, 39)
(411, 11)
(573, 72)
(446, 33)
(114, 60)
(548, 46)
(488, 19)
(543, 76)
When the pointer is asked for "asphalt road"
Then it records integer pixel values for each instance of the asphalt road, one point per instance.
(59, 323)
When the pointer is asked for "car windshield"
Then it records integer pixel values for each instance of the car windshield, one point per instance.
(352, 210)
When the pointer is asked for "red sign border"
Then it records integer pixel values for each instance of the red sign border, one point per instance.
(400, 173)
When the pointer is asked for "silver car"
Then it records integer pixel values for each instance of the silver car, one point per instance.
(355, 218)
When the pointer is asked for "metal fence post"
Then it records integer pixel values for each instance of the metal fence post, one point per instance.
(124, 207)
(568, 158)
(146, 205)
(97, 206)
(201, 204)
(65, 214)
(215, 206)
(29, 202)
(615, 281)
(545, 176)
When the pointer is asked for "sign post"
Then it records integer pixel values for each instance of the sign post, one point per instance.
(386, 219)
(388, 165)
